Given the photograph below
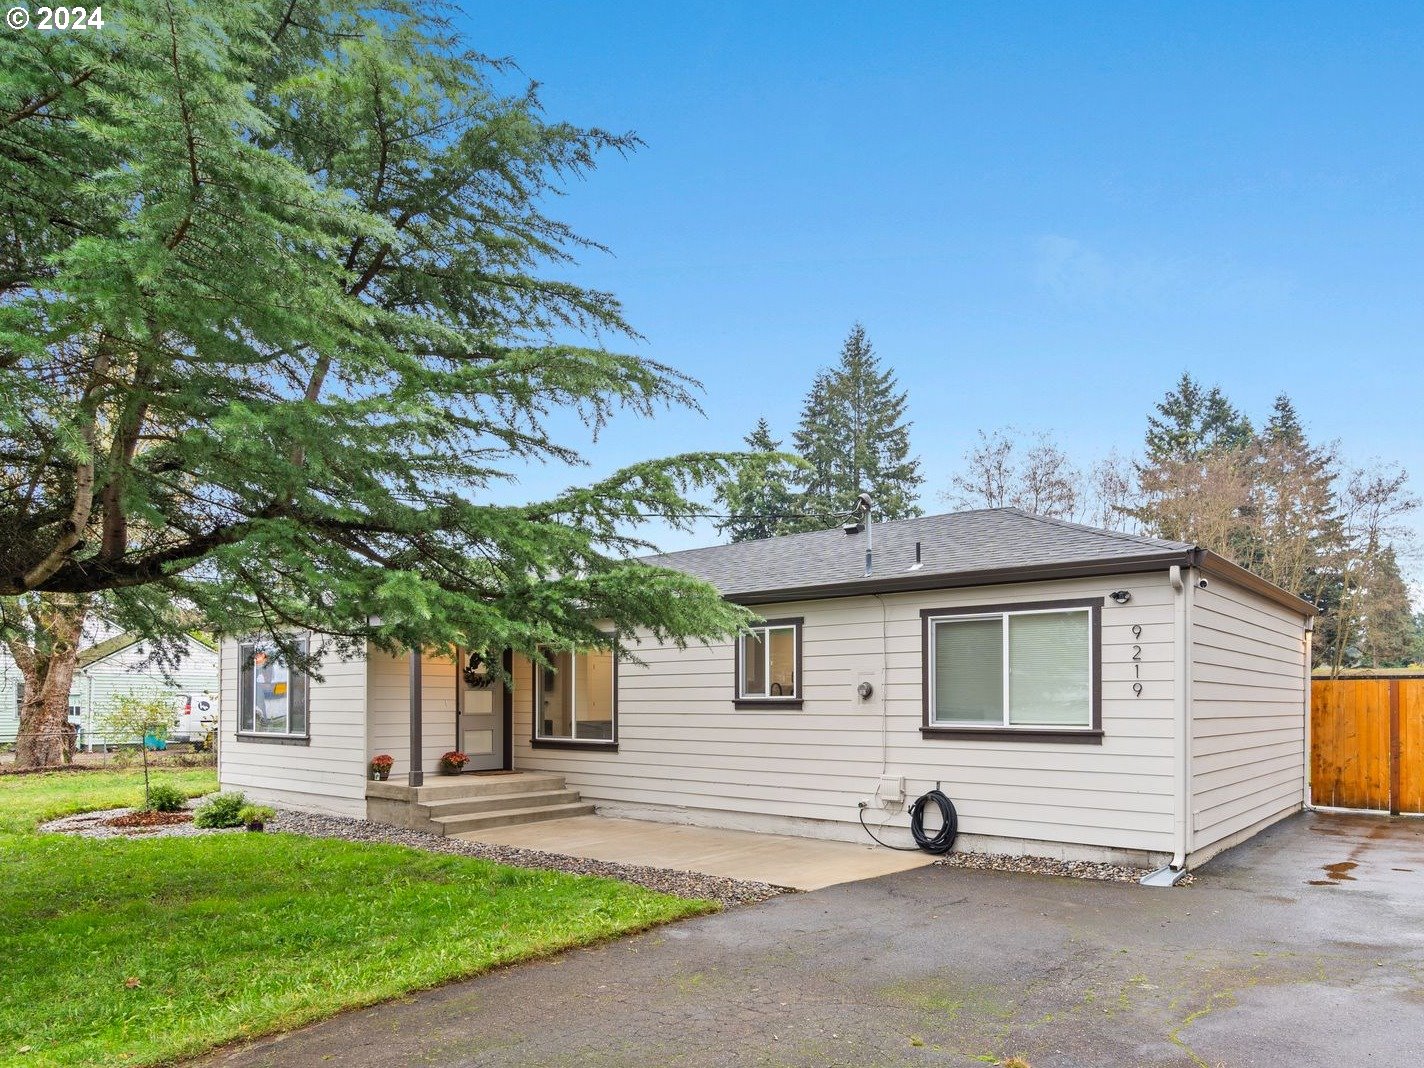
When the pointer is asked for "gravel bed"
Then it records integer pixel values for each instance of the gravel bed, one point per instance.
(1071, 869)
(97, 825)
(665, 880)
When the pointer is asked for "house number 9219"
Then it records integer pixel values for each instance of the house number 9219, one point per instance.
(1137, 659)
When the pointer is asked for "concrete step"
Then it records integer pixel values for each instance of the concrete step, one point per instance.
(479, 821)
(460, 806)
(447, 787)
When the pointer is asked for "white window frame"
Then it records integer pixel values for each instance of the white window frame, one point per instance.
(765, 629)
(572, 738)
(247, 669)
(932, 717)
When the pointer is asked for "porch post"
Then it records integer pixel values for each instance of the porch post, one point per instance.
(417, 772)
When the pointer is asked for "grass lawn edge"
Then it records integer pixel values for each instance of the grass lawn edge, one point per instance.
(42, 800)
(303, 1018)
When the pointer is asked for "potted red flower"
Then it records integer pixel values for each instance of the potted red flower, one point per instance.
(453, 762)
(381, 766)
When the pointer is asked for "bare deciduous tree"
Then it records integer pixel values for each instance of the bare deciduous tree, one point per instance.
(1112, 494)
(1006, 470)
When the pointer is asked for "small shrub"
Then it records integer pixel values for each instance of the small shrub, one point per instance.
(165, 797)
(224, 810)
(258, 814)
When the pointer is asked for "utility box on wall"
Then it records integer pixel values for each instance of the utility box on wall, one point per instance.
(891, 790)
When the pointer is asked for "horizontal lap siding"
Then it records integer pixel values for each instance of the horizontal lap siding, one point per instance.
(131, 671)
(328, 775)
(683, 744)
(1248, 711)
(10, 678)
(388, 722)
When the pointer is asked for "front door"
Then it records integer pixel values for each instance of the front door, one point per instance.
(482, 723)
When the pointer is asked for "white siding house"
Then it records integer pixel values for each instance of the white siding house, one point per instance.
(1077, 693)
(118, 664)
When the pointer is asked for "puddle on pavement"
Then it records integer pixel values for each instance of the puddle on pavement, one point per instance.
(1336, 873)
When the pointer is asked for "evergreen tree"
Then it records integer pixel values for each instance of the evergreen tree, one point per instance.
(1192, 421)
(854, 438)
(277, 328)
(759, 499)
(1284, 427)
(1294, 511)
(1195, 479)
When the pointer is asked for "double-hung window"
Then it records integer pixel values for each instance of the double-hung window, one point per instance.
(1025, 670)
(576, 698)
(272, 696)
(769, 664)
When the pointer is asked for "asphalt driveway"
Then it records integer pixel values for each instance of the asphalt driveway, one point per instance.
(1304, 947)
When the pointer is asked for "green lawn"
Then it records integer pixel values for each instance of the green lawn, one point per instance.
(28, 800)
(135, 952)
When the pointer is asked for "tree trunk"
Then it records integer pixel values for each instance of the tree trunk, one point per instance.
(44, 738)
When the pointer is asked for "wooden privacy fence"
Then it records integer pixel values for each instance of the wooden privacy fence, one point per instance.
(1367, 743)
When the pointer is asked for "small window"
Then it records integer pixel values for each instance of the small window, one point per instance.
(769, 663)
(272, 698)
(1029, 669)
(576, 698)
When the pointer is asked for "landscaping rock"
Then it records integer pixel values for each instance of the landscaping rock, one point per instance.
(664, 880)
(127, 823)
(1071, 869)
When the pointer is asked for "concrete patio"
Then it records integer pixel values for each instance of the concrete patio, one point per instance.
(800, 863)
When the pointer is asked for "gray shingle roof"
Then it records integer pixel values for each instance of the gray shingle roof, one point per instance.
(992, 544)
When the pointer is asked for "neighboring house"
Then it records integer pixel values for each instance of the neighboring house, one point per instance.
(120, 663)
(1076, 692)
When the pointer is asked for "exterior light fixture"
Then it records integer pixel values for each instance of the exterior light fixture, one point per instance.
(1121, 596)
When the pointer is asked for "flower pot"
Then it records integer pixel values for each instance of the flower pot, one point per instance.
(380, 776)
(446, 769)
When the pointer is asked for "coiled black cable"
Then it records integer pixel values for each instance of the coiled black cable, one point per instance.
(942, 841)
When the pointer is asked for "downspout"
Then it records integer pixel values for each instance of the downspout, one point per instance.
(1176, 869)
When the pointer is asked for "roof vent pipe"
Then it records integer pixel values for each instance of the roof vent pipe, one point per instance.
(864, 507)
(919, 562)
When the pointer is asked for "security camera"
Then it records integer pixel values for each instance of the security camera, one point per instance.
(1201, 584)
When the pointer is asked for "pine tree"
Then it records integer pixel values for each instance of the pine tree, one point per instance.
(854, 438)
(1294, 510)
(1195, 480)
(1191, 421)
(759, 498)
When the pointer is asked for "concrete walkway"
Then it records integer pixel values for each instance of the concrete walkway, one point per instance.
(800, 863)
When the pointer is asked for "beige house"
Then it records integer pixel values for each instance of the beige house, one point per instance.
(1076, 692)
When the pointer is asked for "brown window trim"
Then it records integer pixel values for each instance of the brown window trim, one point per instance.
(570, 743)
(245, 669)
(739, 700)
(536, 688)
(1090, 735)
(273, 739)
(1082, 736)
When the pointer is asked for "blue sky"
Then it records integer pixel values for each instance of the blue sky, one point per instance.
(1042, 213)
